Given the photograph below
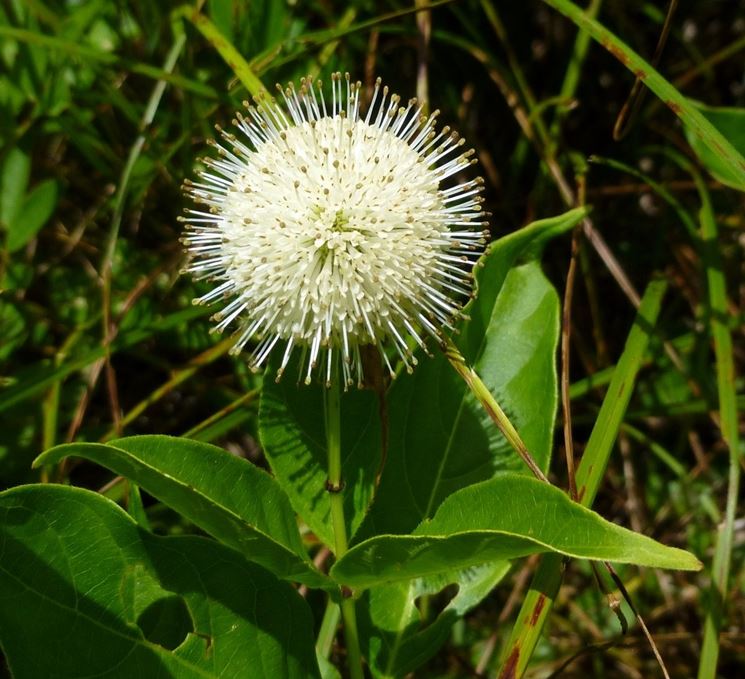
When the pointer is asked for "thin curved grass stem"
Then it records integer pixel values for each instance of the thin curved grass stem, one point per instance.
(493, 409)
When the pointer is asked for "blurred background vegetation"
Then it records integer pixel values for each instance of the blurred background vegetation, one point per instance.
(105, 105)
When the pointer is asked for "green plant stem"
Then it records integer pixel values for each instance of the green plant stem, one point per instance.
(178, 377)
(495, 412)
(109, 330)
(354, 657)
(335, 489)
(327, 51)
(242, 400)
(51, 403)
(328, 629)
(517, 72)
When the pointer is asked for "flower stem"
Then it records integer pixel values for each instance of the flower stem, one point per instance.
(334, 484)
(354, 657)
(335, 488)
(479, 390)
(328, 629)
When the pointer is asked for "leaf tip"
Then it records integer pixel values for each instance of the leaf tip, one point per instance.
(697, 564)
(47, 457)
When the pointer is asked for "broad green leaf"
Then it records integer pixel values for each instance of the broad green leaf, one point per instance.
(35, 211)
(85, 592)
(396, 637)
(440, 438)
(293, 434)
(731, 123)
(507, 517)
(13, 182)
(231, 499)
(524, 245)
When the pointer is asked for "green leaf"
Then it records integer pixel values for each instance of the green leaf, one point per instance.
(440, 438)
(328, 671)
(85, 592)
(731, 123)
(397, 638)
(231, 499)
(507, 517)
(13, 329)
(35, 211)
(87, 53)
(293, 434)
(222, 14)
(526, 244)
(13, 182)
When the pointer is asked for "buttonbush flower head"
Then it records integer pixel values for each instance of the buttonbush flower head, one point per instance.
(328, 230)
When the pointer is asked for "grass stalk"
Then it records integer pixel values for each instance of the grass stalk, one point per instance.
(493, 409)
(727, 395)
(545, 586)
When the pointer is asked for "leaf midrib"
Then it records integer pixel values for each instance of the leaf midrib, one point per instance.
(564, 551)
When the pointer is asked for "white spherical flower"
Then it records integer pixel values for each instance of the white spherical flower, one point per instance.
(330, 230)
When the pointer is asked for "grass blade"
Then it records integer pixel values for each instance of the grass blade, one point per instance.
(227, 51)
(545, 586)
(725, 369)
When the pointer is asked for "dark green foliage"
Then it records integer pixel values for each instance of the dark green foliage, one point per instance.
(99, 345)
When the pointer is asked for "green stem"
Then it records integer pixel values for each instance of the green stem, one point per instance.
(230, 54)
(573, 72)
(334, 484)
(354, 657)
(328, 629)
(335, 488)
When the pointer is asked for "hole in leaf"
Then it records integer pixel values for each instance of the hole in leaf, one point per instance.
(431, 605)
(166, 622)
